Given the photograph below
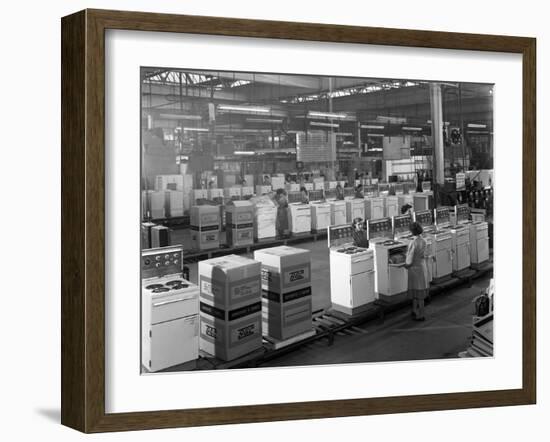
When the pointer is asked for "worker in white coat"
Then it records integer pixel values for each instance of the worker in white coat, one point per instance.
(415, 263)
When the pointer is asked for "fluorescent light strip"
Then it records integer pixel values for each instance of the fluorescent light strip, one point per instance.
(477, 126)
(179, 117)
(195, 129)
(344, 134)
(371, 126)
(244, 108)
(264, 120)
(318, 124)
(315, 114)
(411, 128)
(375, 135)
(244, 152)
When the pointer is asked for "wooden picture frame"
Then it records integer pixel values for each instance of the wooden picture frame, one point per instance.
(83, 219)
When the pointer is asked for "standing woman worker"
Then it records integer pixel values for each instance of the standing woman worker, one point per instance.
(417, 271)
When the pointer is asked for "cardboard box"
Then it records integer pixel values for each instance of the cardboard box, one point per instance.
(174, 203)
(156, 204)
(286, 291)
(230, 306)
(160, 236)
(205, 227)
(169, 182)
(199, 196)
(146, 235)
(239, 223)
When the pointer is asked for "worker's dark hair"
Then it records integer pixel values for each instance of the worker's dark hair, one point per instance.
(280, 191)
(405, 208)
(415, 228)
(303, 189)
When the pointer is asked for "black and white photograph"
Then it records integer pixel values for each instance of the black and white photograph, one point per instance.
(299, 220)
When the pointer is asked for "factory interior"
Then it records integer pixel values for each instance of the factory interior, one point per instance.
(282, 215)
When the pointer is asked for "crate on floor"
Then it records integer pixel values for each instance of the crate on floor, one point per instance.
(286, 291)
(230, 306)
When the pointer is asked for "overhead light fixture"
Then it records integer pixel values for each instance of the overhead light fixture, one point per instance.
(318, 124)
(259, 109)
(264, 120)
(411, 128)
(331, 115)
(244, 152)
(343, 134)
(179, 117)
(195, 129)
(371, 126)
(477, 126)
(477, 132)
(375, 135)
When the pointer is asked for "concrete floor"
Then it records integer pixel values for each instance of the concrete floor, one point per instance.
(444, 334)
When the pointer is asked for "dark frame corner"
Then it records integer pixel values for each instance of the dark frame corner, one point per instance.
(83, 235)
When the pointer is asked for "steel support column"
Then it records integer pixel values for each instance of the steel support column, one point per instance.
(436, 109)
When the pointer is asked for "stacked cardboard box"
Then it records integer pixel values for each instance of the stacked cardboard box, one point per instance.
(169, 182)
(205, 227)
(230, 306)
(174, 203)
(286, 291)
(239, 223)
(156, 203)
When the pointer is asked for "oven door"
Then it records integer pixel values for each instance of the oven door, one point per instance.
(174, 342)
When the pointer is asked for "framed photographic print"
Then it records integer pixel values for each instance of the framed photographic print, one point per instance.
(267, 221)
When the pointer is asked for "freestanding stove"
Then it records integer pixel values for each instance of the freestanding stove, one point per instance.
(169, 311)
(352, 274)
(320, 211)
(390, 255)
(441, 244)
(299, 214)
(461, 238)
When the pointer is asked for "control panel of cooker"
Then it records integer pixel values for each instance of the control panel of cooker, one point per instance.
(161, 261)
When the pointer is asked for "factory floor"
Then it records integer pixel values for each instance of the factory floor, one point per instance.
(445, 333)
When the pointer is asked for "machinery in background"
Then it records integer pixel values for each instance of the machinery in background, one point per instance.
(205, 227)
(286, 291)
(299, 214)
(169, 311)
(320, 211)
(239, 223)
(230, 306)
(389, 255)
(352, 276)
